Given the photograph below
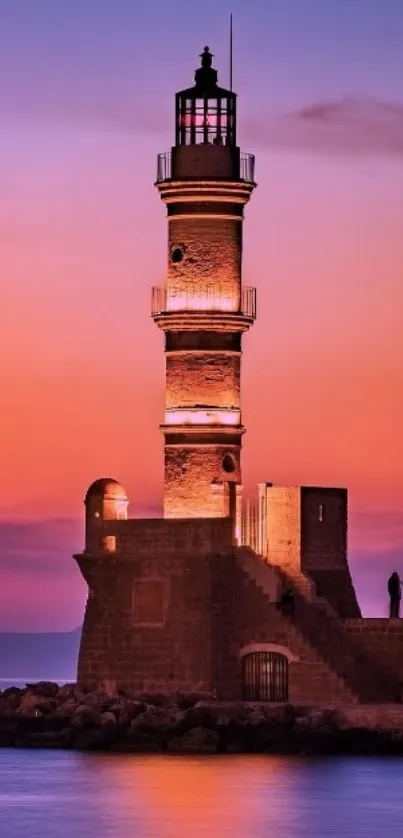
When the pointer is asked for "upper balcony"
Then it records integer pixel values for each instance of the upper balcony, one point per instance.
(208, 307)
(221, 166)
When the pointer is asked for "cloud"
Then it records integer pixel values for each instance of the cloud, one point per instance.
(356, 126)
(42, 546)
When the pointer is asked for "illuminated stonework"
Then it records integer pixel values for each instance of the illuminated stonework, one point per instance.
(203, 309)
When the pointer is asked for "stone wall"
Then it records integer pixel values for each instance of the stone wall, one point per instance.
(306, 534)
(323, 528)
(185, 631)
(212, 252)
(136, 537)
(147, 624)
(243, 615)
(192, 478)
(380, 638)
(282, 516)
(203, 379)
(166, 612)
(173, 605)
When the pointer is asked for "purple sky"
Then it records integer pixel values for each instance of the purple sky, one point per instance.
(86, 103)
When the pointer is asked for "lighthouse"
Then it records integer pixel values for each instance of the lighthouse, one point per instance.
(192, 603)
(203, 308)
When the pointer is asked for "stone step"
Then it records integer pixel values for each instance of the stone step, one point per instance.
(315, 620)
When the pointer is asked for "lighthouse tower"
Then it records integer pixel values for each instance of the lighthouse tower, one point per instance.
(203, 309)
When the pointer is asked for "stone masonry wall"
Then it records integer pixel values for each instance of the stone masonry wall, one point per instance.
(283, 527)
(203, 378)
(170, 622)
(189, 475)
(137, 537)
(307, 534)
(380, 638)
(243, 615)
(323, 528)
(212, 256)
(148, 614)
(147, 624)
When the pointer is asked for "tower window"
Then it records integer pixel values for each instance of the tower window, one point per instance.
(177, 255)
(320, 512)
(228, 463)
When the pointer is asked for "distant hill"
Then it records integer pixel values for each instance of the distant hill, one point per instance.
(34, 657)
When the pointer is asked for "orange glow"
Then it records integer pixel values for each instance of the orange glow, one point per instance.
(203, 301)
(81, 361)
(203, 417)
(164, 794)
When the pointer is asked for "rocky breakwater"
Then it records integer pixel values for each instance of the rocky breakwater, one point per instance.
(45, 715)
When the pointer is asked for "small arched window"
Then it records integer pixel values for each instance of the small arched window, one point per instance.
(265, 677)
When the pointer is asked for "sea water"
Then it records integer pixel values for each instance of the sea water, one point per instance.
(67, 794)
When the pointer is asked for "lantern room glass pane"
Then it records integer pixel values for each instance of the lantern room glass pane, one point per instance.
(206, 120)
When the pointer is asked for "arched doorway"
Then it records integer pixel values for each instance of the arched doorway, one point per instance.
(265, 676)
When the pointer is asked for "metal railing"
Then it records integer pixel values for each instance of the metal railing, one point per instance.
(210, 297)
(164, 166)
(246, 167)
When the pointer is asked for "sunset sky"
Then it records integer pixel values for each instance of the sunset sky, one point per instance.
(86, 103)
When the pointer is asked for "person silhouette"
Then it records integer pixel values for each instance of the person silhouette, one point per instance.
(394, 591)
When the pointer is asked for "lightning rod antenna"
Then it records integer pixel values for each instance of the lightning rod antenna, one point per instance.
(231, 50)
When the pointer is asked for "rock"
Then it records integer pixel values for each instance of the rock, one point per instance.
(86, 717)
(280, 714)
(130, 711)
(154, 699)
(95, 738)
(46, 688)
(68, 708)
(10, 700)
(13, 691)
(65, 693)
(201, 715)
(318, 719)
(98, 700)
(117, 709)
(33, 704)
(108, 718)
(199, 740)
(254, 714)
(156, 720)
(188, 700)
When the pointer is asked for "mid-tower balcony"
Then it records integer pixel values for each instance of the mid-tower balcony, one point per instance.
(203, 422)
(230, 417)
(210, 306)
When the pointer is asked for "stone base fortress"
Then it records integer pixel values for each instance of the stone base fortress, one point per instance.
(239, 599)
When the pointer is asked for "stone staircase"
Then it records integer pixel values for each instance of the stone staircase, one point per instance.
(317, 624)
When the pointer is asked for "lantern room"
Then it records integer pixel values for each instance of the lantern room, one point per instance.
(205, 113)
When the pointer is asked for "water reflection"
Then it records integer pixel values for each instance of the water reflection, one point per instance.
(55, 795)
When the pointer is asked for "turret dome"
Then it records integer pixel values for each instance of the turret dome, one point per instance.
(107, 488)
